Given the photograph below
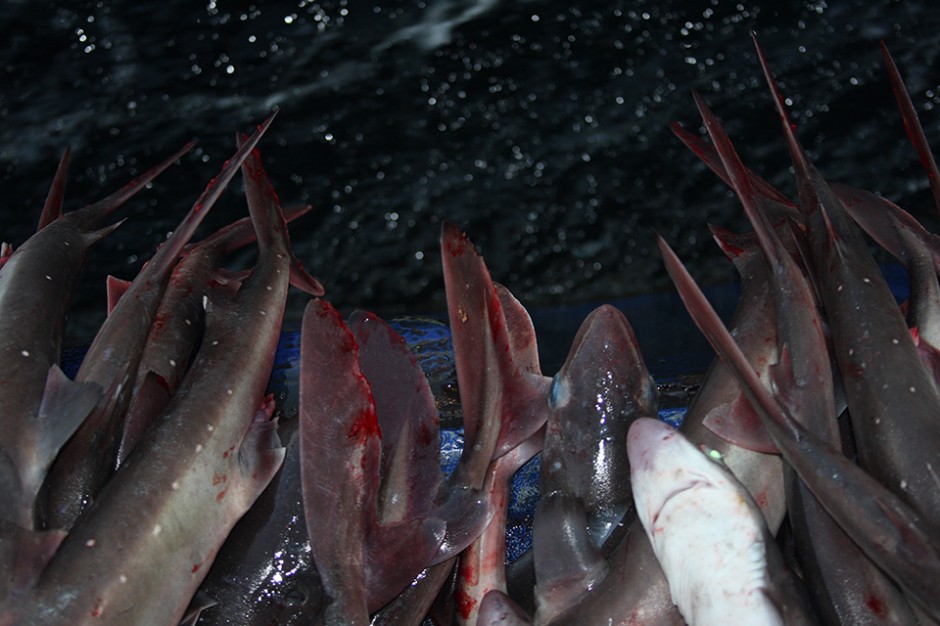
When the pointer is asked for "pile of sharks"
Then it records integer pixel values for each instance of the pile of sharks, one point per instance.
(161, 485)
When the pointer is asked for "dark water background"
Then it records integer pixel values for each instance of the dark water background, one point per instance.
(539, 127)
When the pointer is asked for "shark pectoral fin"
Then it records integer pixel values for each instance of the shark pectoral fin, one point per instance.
(74, 478)
(65, 405)
(466, 514)
(567, 562)
(117, 287)
(303, 280)
(200, 602)
(737, 423)
(260, 454)
(231, 279)
(395, 554)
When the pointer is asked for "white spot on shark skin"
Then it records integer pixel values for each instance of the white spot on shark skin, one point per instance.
(122, 578)
(933, 474)
(188, 322)
(174, 485)
(229, 391)
(215, 343)
(210, 427)
(263, 312)
(866, 280)
(913, 389)
(172, 362)
(269, 288)
(25, 353)
(48, 277)
(895, 341)
(903, 484)
(90, 543)
(157, 529)
(198, 447)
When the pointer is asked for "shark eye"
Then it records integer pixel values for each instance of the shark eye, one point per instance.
(560, 393)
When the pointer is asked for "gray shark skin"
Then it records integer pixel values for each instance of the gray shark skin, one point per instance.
(892, 534)
(891, 395)
(844, 583)
(36, 282)
(635, 591)
(178, 324)
(111, 362)
(139, 553)
(601, 389)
